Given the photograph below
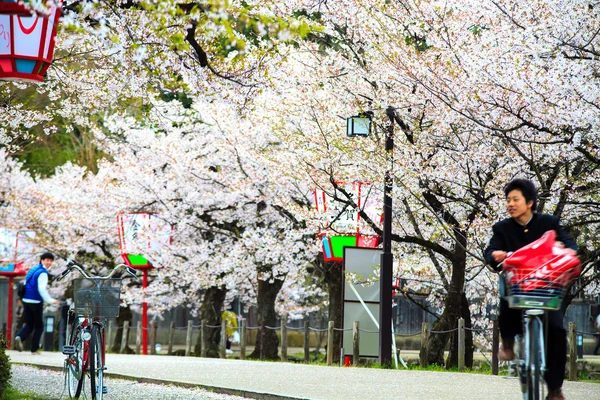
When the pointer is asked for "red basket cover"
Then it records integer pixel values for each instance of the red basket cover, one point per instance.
(542, 264)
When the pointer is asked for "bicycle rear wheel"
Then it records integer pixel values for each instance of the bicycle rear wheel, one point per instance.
(534, 376)
(96, 364)
(74, 365)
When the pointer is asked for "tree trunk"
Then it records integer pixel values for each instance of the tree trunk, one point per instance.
(335, 284)
(456, 306)
(267, 342)
(124, 315)
(210, 312)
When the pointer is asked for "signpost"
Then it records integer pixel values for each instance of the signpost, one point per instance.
(141, 236)
(16, 248)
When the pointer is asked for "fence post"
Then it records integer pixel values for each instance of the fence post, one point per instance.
(355, 343)
(109, 332)
(171, 337)
(243, 341)
(424, 353)
(572, 352)
(330, 343)
(153, 338)
(306, 342)
(222, 352)
(283, 341)
(202, 336)
(188, 339)
(124, 337)
(495, 345)
(461, 344)
(138, 337)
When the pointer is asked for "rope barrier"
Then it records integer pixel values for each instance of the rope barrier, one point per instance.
(212, 326)
(317, 330)
(342, 330)
(407, 334)
(478, 329)
(368, 331)
(295, 329)
(588, 333)
(448, 331)
(272, 327)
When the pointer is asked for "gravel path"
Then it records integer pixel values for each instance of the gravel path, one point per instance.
(50, 385)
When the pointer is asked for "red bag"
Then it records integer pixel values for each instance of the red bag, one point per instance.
(543, 264)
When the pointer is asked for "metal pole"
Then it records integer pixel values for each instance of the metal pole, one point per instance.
(145, 316)
(387, 258)
(10, 312)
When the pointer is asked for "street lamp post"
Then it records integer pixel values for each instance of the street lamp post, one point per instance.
(361, 126)
(387, 258)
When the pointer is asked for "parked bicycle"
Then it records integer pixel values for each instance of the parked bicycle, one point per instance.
(534, 279)
(96, 298)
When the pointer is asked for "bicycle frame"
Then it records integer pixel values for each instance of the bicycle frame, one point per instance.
(532, 355)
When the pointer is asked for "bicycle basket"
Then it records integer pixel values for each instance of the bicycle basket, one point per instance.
(97, 297)
(537, 274)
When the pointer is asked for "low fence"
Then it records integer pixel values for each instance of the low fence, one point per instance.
(574, 340)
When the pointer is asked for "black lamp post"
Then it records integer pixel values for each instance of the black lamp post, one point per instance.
(361, 126)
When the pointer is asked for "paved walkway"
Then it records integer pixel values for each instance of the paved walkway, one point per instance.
(274, 380)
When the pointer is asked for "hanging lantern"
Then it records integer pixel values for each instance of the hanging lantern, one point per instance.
(142, 236)
(26, 41)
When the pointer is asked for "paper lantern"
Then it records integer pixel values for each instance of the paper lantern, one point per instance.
(141, 234)
(26, 42)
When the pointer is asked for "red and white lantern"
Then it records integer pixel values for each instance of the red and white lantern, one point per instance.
(26, 41)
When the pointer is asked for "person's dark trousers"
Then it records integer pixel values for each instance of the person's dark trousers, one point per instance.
(597, 347)
(511, 324)
(32, 315)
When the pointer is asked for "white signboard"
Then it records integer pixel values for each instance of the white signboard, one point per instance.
(142, 233)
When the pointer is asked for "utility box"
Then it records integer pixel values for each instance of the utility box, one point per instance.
(579, 346)
(48, 344)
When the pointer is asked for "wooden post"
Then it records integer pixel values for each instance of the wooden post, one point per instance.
(306, 342)
(171, 337)
(424, 354)
(188, 339)
(124, 337)
(138, 337)
(243, 340)
(572, 352)
(330, 343)
(223, 353)
(283, 341)
(355, 343)
(153, 338)
(461, 344)
(202, 336)
(109, 332)
(495, 346)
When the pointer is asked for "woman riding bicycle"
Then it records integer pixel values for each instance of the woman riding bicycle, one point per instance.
(522, 228)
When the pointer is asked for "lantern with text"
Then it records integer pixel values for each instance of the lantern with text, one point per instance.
(26, 41)
(142, 236)
(344, 226)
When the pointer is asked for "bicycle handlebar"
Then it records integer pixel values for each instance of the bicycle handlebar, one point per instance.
(71, 265)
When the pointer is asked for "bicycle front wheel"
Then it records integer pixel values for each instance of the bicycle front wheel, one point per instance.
(96, 364)
(534, 378)
(74, 365)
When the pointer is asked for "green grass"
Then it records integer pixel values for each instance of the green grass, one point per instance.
(14, 394)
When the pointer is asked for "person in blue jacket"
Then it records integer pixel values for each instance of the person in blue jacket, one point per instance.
(36, 293)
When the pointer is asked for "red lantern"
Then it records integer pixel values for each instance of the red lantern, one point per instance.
(26, 41)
